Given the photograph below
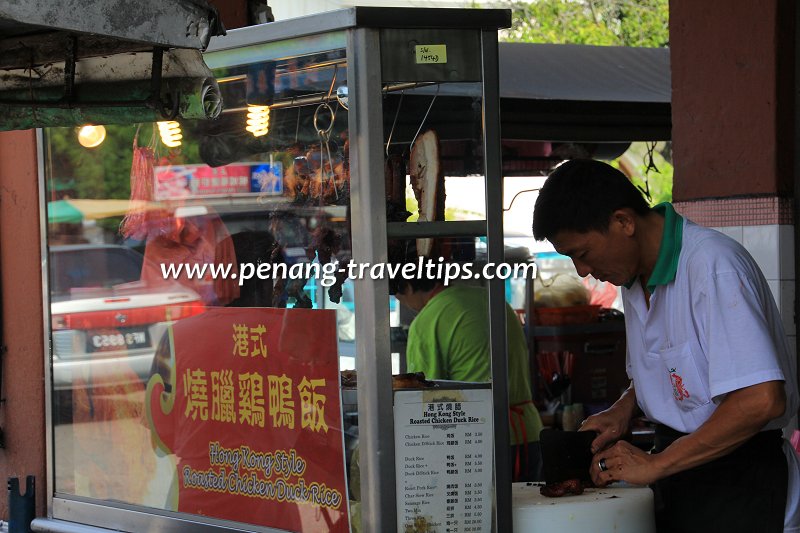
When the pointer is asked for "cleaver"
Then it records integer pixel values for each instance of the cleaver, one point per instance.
(566, 454)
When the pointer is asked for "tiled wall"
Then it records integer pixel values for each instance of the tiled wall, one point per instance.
(726, 212)
(772, 246)
(764, 226)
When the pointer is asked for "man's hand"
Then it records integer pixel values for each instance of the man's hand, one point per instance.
(610, 426)
(624, 462)
(612, 423)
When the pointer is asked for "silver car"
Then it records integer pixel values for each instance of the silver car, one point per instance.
(106, 324)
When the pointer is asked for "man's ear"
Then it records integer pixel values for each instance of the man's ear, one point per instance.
(624, 220)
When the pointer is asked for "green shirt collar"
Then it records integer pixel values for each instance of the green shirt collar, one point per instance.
(670, 250)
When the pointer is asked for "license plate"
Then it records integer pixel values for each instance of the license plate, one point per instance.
(117, 339)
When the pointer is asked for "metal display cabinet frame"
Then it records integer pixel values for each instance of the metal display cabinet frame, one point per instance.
(359, 30)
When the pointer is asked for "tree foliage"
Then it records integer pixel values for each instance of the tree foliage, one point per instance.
(636, 23)
(104, 172)
(643, 23)
(653, 178)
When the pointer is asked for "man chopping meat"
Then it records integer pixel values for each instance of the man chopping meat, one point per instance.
(707, 356)
(449, 339)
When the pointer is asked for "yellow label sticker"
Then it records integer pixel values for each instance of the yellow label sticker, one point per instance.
(431, 53)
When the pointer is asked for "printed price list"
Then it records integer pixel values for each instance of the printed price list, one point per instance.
(443, 458)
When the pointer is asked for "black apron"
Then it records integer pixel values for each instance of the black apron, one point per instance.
(744, 491)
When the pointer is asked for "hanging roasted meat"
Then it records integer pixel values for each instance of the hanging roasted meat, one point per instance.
(335, 291)
(289, 232)
(394, 172)
(341, 175)
(298, 180)
(427, 180)
(325, 243)
(279, 288)
(317, 174)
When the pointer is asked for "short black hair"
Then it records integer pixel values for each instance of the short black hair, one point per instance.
(581, 195)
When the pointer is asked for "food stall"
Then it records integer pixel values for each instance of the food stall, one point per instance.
(388, 76)
(325, 116)
(63, 509)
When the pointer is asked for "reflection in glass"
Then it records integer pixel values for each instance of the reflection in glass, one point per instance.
(183, 301)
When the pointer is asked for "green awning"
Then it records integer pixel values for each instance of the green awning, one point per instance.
(61, 211)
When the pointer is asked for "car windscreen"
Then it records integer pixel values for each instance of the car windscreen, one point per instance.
(87, 268)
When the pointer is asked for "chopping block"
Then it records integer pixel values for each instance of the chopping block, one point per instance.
(617, 509)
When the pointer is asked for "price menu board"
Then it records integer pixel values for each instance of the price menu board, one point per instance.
(443, 454)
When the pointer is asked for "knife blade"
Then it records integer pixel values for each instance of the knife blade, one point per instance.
(566, 454)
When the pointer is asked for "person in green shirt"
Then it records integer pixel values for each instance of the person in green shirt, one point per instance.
(449, 339)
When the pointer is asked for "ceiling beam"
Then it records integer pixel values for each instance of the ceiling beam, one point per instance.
(178, 23)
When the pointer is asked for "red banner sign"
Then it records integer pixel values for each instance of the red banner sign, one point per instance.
(254, 418)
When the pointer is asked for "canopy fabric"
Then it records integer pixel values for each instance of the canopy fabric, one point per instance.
(577, 93)
(76, 210)
(584, 73)
(63, 212)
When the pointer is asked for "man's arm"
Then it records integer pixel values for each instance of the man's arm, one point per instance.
(742, 414)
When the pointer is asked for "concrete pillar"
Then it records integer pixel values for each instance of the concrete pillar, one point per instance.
(733, 112)
(22, 415)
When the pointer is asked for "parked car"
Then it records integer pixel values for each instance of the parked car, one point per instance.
(106, 324)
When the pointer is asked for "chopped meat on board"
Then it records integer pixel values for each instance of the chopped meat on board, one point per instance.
(562, 488)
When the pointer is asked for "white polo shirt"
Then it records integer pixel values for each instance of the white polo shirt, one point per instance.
(714, 329)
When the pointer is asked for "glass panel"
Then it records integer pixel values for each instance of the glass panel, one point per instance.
(446, 116)
(198, 318)
(433, 134)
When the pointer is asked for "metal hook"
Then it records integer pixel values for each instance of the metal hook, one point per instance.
(324, 145)
(327, 106)
(297, 125)
(394, 123)
(327, 131)
(333, 82)
(425, 117)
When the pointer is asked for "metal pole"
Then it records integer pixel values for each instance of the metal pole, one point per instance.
(497, 302)
(796, 169)
(41, 152)
(373, 350)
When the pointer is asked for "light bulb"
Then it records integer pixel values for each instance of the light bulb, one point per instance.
(91, 136)
(170, 132)
(258, 120)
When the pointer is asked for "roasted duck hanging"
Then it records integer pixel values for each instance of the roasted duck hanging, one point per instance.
(427, 180)
(394, 171)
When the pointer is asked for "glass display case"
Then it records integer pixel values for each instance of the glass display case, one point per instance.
(197, 400)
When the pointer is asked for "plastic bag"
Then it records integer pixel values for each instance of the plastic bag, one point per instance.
(562, 290)
(142, 178)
